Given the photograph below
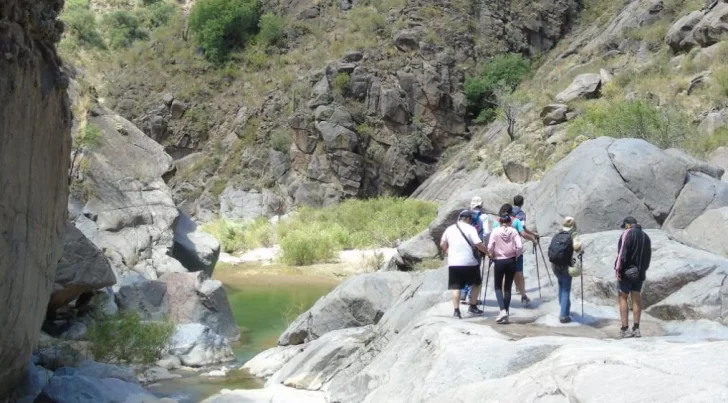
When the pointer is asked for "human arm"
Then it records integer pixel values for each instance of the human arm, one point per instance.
(491, 243)
(519, 246)
(443, 242)
(647, 258)
(476, 241)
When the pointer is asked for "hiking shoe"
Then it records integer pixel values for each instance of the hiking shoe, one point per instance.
(636, 333)
(474, 309)
(625, 333)
(502, 317)
(456, 314)
(566, 319)
(525, 300)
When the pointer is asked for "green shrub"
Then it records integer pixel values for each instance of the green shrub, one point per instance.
(342, 84)
(280, 140)
(158, 14)
(230, 235)
(665, 127)
(81, 24)
(123, 28)
(272, 29)
(302, 247)
(367, 20)
(223, 25)
(703, 144)
(89, 138)
(502, 72)
(126, 338)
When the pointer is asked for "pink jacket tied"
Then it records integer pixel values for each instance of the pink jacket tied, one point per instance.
(505, 243)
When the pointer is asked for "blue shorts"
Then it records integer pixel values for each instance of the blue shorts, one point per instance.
(519, 264)
(626, 286)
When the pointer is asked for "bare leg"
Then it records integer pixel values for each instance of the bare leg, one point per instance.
(520, 283)
(456, 299)
(636, 306)
(474, 294)
(623, 309)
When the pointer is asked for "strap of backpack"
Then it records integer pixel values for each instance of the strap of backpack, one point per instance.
(463, 234)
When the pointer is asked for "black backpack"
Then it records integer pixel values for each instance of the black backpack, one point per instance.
(561, 249)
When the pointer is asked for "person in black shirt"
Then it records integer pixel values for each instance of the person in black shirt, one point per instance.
(634, 251)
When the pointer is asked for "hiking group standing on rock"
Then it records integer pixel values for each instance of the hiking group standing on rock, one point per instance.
(474, 236)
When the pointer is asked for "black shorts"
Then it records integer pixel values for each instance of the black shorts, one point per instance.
(626, 286)
(460, 276)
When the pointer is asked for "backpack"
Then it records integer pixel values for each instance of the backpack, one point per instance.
(478, 224)
(520, 214)
(561, 249)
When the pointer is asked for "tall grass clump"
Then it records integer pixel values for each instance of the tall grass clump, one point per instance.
(231, 235)
(309, 244)
(126, 338)
(664, 126)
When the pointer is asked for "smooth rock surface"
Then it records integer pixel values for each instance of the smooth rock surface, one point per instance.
(147, 297)
(358, 301)
(197, 345)
(196, 250)
(82, 267)
(584, 86)
(704, 231)
(275, 394)
(268, 362)
(84, 389)
(195, 299)
(35, 147)
(95, 369)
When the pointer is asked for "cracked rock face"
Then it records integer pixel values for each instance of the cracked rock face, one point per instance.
(35, 125)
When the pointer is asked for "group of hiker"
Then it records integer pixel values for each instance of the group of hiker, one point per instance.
(474, 237)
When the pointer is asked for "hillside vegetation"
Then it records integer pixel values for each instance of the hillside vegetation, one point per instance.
(310, 103)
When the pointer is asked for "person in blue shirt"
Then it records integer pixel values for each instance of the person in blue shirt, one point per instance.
(480, 222)
(520, 281)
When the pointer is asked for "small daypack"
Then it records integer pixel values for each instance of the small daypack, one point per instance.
(520, 214)
(561, 249)
(478, 224)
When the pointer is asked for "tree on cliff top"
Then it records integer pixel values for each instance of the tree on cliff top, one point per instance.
(223, 25)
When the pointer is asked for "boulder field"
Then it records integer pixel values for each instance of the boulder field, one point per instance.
(389, 336)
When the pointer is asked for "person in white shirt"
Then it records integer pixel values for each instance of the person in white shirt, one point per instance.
(464, 249)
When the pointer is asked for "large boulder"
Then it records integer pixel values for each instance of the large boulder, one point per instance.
(196, 250)
(193, 298)
(322, 359)
(719, 158)
(680, 35)
(417, 249)
(695, 165)
(197, 345)
(267, 363)
(86, 389)
(700, 193)
(584, 86)
(146, 297)
(635, 178)
(35, 145)
(704, 230)
(99, 370)
(126, 207)
(712, 28)
(238, 204)
(358, 301)
(554, 114)
(33, 384)
(83, 267)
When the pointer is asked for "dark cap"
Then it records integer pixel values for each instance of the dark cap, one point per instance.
(628, 220)
(465, 213)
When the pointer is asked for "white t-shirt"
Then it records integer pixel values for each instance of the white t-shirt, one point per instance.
(459, 251)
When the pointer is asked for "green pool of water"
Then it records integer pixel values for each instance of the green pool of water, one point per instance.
(263, 307)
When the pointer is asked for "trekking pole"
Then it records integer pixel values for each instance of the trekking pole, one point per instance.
(544, 262)
(487, 277)
(581, 269)
(482, 271)
(538, 274)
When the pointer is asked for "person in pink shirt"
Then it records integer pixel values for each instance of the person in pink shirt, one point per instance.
(504, 247)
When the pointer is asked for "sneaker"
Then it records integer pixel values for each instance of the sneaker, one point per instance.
(502, 317)
(525, 300)
(636, 333)
(456, 314)
(625, 333)
(474, 309)
(566, 319)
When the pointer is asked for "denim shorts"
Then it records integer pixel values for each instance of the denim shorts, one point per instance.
(519, 264)
(626, 286)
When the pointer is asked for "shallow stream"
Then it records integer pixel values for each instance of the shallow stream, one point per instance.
(264, 303)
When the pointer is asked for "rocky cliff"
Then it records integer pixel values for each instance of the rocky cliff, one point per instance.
(35, 125)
